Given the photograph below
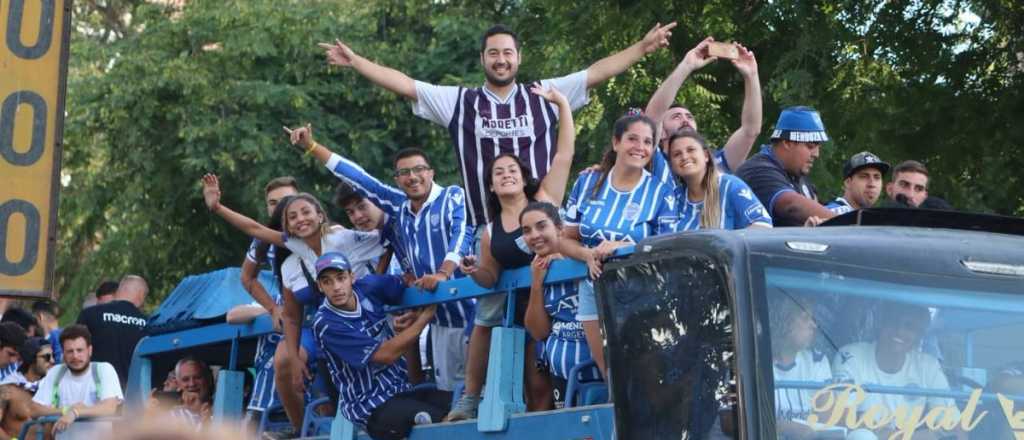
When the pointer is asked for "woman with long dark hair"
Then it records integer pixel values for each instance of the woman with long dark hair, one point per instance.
(511, 188)
(615, 207)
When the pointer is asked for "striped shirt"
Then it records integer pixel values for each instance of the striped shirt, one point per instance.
(251, 254)
(648, 209)
(425, 239)
(740, 208)
(264, 392)
(483, 125)
(807, 366)
(349, 339)
(10, 369)
(566, 346)
(839, 206)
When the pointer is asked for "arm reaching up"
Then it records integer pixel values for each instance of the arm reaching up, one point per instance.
(737, 148)
(553, 185)
(663, 98)
(252, 228)
(617, 63)
(339, 54)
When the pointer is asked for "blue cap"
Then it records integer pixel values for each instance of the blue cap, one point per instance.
(332, 260)
(800, 124)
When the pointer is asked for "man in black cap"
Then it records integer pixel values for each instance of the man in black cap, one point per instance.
(862, 183)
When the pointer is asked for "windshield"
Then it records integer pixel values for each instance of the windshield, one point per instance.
(894, 355)
(671, 355)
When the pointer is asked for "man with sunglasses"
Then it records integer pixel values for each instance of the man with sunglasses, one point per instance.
(37, 358)
(427, 228)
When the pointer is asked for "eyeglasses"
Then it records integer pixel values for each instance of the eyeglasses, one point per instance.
(405, 172)
(48, 357)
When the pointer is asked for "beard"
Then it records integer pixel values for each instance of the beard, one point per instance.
(77, 371)
(498, 81)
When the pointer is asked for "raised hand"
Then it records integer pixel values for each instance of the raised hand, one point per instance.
(746, 63)
(550, 94)
(698, 57)
(301, 137)
(657, 37)
(338, 54)
(211, 191)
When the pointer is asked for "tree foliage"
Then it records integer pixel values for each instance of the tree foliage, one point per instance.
(162, 92)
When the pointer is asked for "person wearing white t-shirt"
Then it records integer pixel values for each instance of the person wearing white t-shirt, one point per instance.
(500, 116)
(793, 329)
(895, 360)
(78, 387)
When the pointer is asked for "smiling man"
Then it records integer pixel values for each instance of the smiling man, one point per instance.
(778, 173)
(862, 184)
(501, 116)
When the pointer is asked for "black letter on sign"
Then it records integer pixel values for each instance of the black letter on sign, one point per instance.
(7, 111)
(28, 261)
(14, 18)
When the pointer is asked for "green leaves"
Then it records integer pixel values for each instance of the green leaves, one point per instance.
(158, 96)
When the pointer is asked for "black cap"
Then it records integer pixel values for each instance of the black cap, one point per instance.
(864, 159)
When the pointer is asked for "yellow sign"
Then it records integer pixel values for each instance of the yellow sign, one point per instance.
(33, 69)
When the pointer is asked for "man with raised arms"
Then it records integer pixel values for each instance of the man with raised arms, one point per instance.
(502, 116)
(672, 117)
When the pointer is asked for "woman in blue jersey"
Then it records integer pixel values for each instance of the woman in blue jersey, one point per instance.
(615, 207)
(551, 311)
(307, 234)
(701, 185)
(510, 188)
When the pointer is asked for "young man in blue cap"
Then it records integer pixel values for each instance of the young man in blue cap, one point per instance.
(778, 173)
(364, 352)
(862, 183)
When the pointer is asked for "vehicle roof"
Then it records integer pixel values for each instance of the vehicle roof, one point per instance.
(912, 249)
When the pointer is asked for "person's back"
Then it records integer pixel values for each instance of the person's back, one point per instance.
(118, 325)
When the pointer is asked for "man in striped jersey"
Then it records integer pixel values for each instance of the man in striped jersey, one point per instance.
(502, 116)
(427, 228)
(673, 117)
(364, 353)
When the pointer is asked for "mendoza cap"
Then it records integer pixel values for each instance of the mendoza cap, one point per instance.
(800, 124)
(864, 159)
(332, 260)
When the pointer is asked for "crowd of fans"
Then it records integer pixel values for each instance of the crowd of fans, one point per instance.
(515, 147)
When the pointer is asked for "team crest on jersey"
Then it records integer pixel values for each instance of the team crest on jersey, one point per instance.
(435, 219)
(632, 211)
(746, 194)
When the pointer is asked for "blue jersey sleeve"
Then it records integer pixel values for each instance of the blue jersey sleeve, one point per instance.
(461, 232)
(386, 288)
(744, 208)
(573, 205)
(388, 198)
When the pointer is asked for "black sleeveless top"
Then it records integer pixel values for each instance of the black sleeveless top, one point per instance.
(509, 248)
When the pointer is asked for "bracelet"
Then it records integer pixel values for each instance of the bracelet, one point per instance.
(312, 146)
(75, 412)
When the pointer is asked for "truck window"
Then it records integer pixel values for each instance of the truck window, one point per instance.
(857, 351)
(669, 332)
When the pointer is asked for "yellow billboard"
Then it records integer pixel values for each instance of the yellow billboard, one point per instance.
(33, 70)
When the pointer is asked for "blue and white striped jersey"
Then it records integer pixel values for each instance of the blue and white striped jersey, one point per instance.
(566, 346)
(662, 170)
(616, 215)
(10, 369)
(839, 206)
(740, 208)
(251, 254)
(425, 239)
(348, 339)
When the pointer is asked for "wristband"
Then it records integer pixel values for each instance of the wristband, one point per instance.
(312, 146)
